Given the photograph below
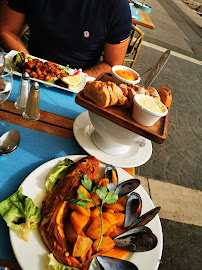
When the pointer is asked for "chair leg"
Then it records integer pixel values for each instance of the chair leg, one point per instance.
(134, 46)
(136, 52)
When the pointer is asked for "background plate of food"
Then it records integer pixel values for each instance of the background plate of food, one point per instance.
(48, 73)
(35, 253)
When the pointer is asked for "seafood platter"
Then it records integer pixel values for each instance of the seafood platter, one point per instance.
(90, 216)
(46, 72)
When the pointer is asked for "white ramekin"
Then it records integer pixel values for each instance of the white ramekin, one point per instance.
(118, 80)
(143, 115)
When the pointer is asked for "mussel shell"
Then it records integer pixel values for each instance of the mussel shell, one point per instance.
(133, 209)
(108, 174)
(94, 264)
(146, 218)
(127, 186)
(109, 263)
(137, 239)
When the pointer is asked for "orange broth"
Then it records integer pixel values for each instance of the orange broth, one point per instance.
(125, 74)
(116, 252)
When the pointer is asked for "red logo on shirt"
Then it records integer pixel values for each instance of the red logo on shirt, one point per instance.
(86, 34)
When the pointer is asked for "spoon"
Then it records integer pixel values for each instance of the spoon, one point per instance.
(9, 142)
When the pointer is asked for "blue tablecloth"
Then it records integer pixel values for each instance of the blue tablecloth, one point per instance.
(52, 99)
(35, 149)
(135, 14)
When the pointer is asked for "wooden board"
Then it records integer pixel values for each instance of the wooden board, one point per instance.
(156, 133)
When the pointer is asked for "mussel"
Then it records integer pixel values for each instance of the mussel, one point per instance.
(137, 236)
(126, 187)
(146, 218)
(123, 188)
(137, 239)
(109, 263)
(133, 209)
(112, 175)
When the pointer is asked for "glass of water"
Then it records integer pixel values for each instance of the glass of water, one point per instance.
(6, 84)
(2, 60)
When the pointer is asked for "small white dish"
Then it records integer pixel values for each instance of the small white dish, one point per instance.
(118, 79)
(136, 156)
(145, 115)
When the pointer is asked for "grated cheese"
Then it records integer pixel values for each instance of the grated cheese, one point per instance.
(151, 104)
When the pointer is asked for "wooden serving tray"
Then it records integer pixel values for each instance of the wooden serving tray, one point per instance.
(123, 117)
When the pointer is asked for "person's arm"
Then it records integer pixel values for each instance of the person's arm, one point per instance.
(11, 22)
(113, 55)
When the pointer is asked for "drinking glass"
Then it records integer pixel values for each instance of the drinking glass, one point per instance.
(6, 84)
(2, 60)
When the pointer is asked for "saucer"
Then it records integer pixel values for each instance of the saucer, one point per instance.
(83, 130)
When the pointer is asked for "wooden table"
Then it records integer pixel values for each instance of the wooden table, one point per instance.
(48, 123)
(146, 21)
(139, 17)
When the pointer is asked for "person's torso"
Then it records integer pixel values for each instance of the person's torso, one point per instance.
(68, 30)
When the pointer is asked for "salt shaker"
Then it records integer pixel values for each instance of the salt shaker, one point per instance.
(23, 92)
(32, 108)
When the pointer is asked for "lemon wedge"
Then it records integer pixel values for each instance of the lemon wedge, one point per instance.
(72, 79)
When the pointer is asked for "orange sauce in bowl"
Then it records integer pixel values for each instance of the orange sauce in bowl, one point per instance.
(125, 74)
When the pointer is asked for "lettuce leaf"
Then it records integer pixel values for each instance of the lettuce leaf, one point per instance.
(52, 80)
(20, 214)
(57, 173)
(54, 264)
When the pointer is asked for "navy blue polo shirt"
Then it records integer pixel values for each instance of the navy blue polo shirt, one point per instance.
(74, 31)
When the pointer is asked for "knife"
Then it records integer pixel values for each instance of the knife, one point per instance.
(157, 69)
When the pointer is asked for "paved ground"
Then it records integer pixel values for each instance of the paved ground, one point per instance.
(173, 175)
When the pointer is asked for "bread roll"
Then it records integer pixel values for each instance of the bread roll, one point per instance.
(153, 93)
(165, 95)
(131, 93)
(97, 92)
(112, 88)
(121, 97)
(124, 89)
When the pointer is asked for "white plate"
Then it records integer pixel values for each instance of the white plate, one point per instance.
(85, 77)
(137, 155)
(33, 254)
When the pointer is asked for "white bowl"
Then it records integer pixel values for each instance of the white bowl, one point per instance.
(144, 115)
(112, 138)
(118, 80)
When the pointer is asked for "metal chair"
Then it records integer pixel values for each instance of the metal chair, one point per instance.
(134, 45)
(24, 34)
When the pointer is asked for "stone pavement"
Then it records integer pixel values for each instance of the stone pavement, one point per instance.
(179, 159)
(173, 175)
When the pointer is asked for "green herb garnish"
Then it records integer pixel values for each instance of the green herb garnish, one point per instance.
(65, 69)
(105, 196)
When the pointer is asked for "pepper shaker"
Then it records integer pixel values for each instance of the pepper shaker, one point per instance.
(23, 92)
(32, 108)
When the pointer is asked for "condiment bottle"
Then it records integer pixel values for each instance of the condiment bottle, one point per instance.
(23, 92)
(32, 108)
